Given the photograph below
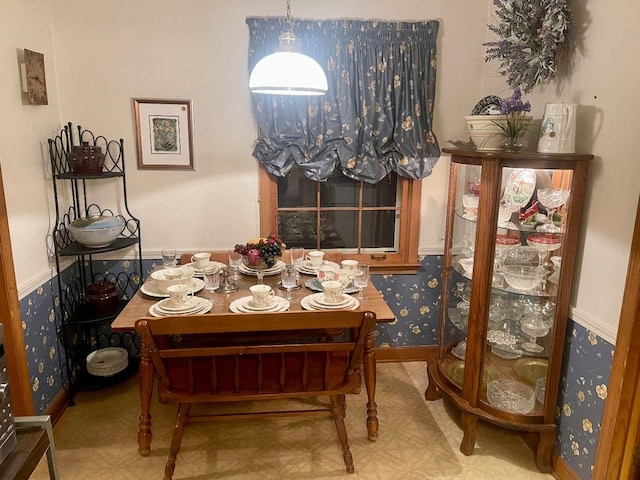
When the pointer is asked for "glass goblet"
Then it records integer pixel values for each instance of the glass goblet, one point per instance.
(361, 279)
(544, 244)
(552, 199)
(235, 260)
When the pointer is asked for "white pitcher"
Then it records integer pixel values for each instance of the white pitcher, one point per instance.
(558, 128)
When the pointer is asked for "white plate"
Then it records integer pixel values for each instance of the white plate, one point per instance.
(199, 271)
(247, 303)
(308, 305)
(275, 270)
(167, 305)
(204, 306)
(107, 361)
(239, 306)
(314, 284)
(321, 299)
(519, 188)
(150, 288)
(307, 269)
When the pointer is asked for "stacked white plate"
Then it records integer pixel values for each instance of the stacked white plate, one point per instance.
(150, 288)
(166, 307)
(200, 271)
(246, 305)
(309, 269)
(275, 270)
(107, 361)
(314, 284)
(317, 301)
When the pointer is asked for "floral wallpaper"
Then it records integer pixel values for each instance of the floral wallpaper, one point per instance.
(414, 299)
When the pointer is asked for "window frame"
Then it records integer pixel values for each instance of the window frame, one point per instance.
(404, 261)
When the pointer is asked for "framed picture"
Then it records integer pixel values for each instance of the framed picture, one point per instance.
(164, 131)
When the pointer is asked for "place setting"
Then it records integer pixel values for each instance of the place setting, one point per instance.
(181, 301)
(262, 300)
(201, 262)
(313, 261)
(161, 280)
(331, 298)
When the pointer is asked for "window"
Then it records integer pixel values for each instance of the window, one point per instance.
(375, 224)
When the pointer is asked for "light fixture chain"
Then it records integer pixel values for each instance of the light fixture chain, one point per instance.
(288, 23)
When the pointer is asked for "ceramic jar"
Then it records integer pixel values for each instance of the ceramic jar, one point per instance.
(102, 297)
(86, 159)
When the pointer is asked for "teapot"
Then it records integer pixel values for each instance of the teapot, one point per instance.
(558, 128)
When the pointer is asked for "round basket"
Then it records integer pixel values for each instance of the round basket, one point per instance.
(107, 361)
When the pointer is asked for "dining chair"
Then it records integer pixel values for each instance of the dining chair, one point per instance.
(264, 356)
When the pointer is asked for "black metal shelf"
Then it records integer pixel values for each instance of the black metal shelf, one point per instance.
(76, 248)
(82, 329)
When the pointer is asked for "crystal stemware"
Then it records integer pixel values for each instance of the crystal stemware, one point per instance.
(235, 260)
(552, 199)
(534, 326)
(544, 244)
(297, 258)
(361, 279)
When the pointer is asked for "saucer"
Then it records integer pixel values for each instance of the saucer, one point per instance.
(168, 305)
(151, 289)
(252, 305)
(321, 299)
(200, 271)
(314, 284)
(307, 303)
(203, 306)
(309, 269)
(240, 305)
(275, 270)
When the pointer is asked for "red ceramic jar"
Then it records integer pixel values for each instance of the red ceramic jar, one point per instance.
(86, 159)
(102, 297)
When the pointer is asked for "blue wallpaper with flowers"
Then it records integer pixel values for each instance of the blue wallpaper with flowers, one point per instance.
(414, 299)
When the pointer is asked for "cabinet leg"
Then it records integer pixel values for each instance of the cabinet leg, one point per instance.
(469, 429)
(544, 451)
(431, 393)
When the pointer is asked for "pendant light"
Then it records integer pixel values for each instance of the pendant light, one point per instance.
(287, 71)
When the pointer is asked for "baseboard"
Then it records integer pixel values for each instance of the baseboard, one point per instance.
(404, 354)
(561, 470)
(58, 406)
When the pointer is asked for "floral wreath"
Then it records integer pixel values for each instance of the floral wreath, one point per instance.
(533, 37)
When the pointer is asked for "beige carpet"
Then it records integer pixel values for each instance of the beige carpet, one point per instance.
(97, 439)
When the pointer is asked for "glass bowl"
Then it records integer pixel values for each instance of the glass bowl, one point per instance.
(551, 198)
(510, 395)
(506, 242)
(523, 277)
(466, 264)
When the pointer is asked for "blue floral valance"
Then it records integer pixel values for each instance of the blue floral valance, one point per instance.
(376, 116)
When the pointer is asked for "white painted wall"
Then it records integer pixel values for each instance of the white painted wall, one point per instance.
(100, 55)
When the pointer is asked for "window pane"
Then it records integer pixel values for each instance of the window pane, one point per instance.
(382, 194)
(339, 229)
(339, 191)
(296, 190)
(297, 229)
(379, 229)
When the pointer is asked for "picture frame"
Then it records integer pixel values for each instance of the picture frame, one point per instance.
(164, 133)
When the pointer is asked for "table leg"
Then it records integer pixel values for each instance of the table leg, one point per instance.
(369, 364)
(146, 385)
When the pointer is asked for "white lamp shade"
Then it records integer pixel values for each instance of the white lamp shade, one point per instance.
(288, 73)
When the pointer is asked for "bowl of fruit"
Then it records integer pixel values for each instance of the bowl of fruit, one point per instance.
(260, 254)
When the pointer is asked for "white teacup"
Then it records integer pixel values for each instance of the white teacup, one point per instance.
(349, 265)
(201, 260)
(327, 272)
(262, 294)
(332, 291)
(316, 257)
(181, 295)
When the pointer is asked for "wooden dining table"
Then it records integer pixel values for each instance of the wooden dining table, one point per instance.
(138, 307)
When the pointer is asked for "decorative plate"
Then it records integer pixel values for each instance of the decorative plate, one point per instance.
(520, 187)
(489, 105)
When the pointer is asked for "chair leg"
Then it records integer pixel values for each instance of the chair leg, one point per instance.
(338, 408)
(178, 431)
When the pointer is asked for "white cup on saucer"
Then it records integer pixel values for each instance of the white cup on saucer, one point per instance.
(262, 295)
(349, 265)
(332, 291)
(201, 260)
(315, 257)
(180, 295)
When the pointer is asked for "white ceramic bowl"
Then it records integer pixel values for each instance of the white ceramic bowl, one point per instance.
(186, 273)
(523, 277)
(96, 232)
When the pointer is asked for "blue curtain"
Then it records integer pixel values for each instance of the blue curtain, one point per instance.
(376, 116)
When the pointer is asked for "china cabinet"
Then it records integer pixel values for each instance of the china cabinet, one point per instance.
(512, 226)
(88, 301)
